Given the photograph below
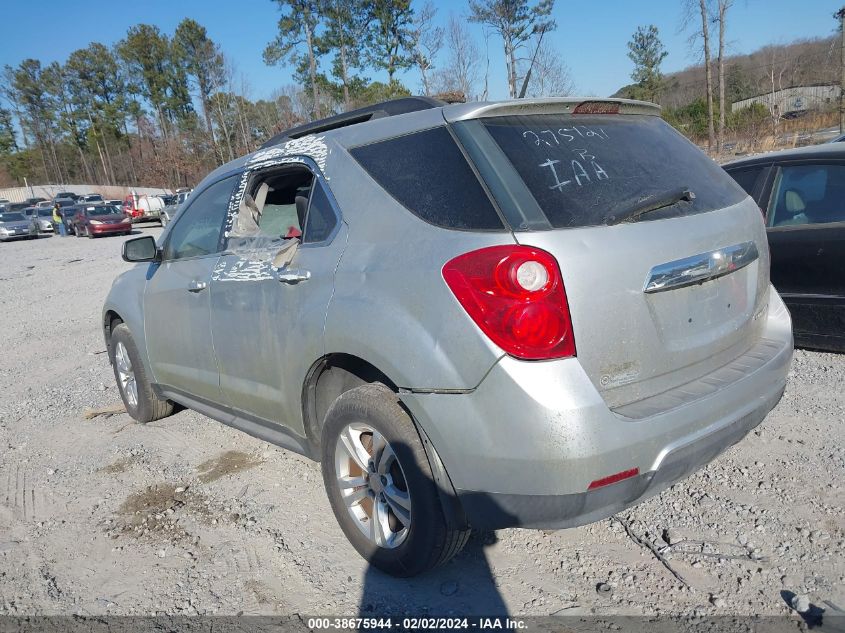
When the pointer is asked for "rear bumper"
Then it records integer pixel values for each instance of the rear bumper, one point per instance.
(494, 510)
(523, 447)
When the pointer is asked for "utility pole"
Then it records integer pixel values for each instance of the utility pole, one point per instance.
(841, 16)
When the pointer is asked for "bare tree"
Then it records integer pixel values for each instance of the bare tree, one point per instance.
(427, 40)
(722, 9)
(460, 72)
(550, 75)
(515, 22)
(778, 66)
(702, 9)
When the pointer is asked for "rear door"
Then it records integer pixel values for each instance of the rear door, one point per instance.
(268, 316)
(176, 298)
(656, 301)
(806, 227)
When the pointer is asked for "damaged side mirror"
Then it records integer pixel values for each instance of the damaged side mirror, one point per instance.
(141, 249)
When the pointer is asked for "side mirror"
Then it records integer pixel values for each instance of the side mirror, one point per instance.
(141, 249)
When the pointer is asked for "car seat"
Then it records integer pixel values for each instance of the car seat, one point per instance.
(793, 208)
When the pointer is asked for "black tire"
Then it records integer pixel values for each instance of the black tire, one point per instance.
(149, 406)
(429, 542)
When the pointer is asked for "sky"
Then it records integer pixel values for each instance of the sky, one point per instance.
(591, 36)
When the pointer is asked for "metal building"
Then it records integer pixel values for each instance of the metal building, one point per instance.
(795, 99)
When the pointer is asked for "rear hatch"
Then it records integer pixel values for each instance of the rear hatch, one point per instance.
(659, 299)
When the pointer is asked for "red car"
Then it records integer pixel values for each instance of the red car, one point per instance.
(102, 219)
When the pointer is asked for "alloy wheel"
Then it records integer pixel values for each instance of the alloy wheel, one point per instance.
(125, 374)
(372, 485)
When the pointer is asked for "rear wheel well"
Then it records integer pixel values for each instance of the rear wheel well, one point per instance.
(329, 378)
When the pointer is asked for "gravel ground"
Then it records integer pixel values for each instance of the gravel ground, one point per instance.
(186, 516)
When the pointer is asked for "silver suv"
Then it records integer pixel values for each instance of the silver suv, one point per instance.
(532, 313)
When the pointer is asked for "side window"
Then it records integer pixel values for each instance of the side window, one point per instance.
(427, 173)
(321, 218)
(275, 206)
(197, 229)
(749, 177)
(808, 194)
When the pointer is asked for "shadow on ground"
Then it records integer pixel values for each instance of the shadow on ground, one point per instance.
(464, 586)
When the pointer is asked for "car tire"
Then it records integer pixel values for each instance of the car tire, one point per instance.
(409, 546)
(143, 405)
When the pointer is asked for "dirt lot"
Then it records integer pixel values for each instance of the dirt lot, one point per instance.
(185, 515)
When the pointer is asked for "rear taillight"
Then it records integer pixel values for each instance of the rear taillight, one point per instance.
(515, 294)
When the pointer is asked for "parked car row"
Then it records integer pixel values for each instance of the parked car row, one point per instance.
(89, 220)
(90, 215)
(138, 207)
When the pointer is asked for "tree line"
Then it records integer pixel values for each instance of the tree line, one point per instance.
(163, 109)
(697, 100)
(155, 108)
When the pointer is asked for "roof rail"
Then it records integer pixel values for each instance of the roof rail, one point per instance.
(403, 105)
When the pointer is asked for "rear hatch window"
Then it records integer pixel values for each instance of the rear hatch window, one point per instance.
(581, 170)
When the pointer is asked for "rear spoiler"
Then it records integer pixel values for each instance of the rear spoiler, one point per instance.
(521, 107)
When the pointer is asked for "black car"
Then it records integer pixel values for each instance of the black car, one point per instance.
(801, 193)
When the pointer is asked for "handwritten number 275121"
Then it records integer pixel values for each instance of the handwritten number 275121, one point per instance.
(552, 138)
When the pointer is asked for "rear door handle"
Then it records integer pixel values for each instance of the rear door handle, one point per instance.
(197, 286)
(294, 276)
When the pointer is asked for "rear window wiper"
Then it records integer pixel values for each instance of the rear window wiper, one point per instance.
(651, 203)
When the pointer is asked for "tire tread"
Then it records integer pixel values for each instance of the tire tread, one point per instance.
(150, 406)
(373, 397)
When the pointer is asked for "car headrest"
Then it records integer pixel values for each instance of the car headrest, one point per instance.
(793, 202)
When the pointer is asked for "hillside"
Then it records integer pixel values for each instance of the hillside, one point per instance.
(803, 62)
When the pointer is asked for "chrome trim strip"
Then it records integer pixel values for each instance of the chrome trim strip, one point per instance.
(700, 268)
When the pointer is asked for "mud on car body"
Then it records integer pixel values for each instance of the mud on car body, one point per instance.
(530, 313)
